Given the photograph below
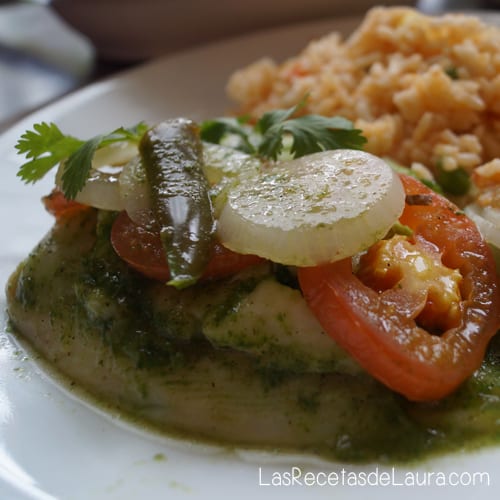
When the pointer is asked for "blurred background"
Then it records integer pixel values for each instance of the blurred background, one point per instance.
(50, 48)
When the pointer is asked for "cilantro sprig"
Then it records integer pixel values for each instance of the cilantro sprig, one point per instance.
(46, 146)
(309, 133)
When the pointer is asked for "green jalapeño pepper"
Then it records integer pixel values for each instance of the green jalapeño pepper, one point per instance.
(172, 155)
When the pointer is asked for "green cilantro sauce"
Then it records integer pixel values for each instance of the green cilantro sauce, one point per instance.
(137, 346)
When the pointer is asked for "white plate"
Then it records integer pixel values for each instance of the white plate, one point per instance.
(55, 446)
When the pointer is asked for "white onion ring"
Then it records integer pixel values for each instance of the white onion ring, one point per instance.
(101, 190)
(134, 192)
(316, 209)
(115, 154)
(487, 220)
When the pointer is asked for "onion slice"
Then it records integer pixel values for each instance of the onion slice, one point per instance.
(487, 220)
(135, 192)
(223, 167)
(114, 154)
(316, 209)
(221, 163)
(101, 189)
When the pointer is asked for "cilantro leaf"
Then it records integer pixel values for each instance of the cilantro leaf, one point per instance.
(272, 118)
(79, 163)
(215, 131)
(77, 167)
(309, 133)
(131, 134)
(46, 146)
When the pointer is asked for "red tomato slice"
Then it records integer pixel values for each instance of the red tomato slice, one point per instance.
(142, 250)
(372, 326)
(59, 206)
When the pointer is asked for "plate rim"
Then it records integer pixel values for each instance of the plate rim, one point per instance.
(86, 92)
